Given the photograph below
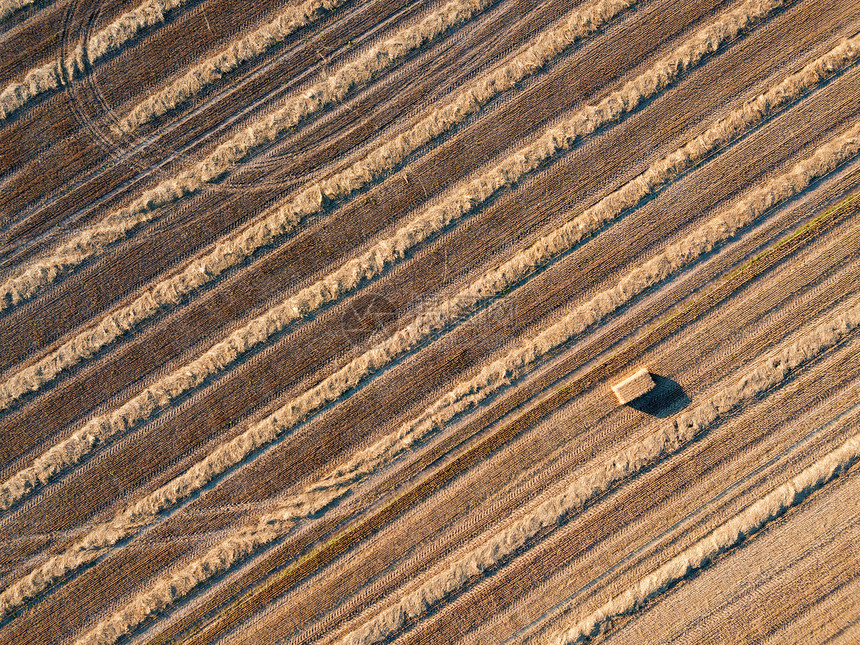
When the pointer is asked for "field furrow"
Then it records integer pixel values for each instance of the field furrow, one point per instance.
(8, 7)
(412, 526)
(57, 73)
(332, 287)
(342, 184)
(227, 155)
(309, 314)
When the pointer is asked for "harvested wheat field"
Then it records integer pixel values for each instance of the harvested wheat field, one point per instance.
(463, 321)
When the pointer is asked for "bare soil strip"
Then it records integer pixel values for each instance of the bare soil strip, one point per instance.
(375, 260)
(8, 7)
(204, 74)
(229, 154)
(834, 611)
(487, 446)
(737, 530)
(109, 40)
(292, 609)
(343, 184)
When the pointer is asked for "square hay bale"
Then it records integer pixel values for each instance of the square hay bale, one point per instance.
(633, 386)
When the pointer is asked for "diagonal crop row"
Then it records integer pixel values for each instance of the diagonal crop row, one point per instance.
(287, 417)
(228, 254)
(229, 617)
(279, 522)
(221, 355)
(239, 52)
(54, 75)
(218, 358)
(728, 535)
(293, 413)
(8, 7)
(228, 155)
(765, 374)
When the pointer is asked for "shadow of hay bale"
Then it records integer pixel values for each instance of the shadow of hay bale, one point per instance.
(665, 399)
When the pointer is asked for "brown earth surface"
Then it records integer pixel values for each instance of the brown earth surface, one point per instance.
(796, 266)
